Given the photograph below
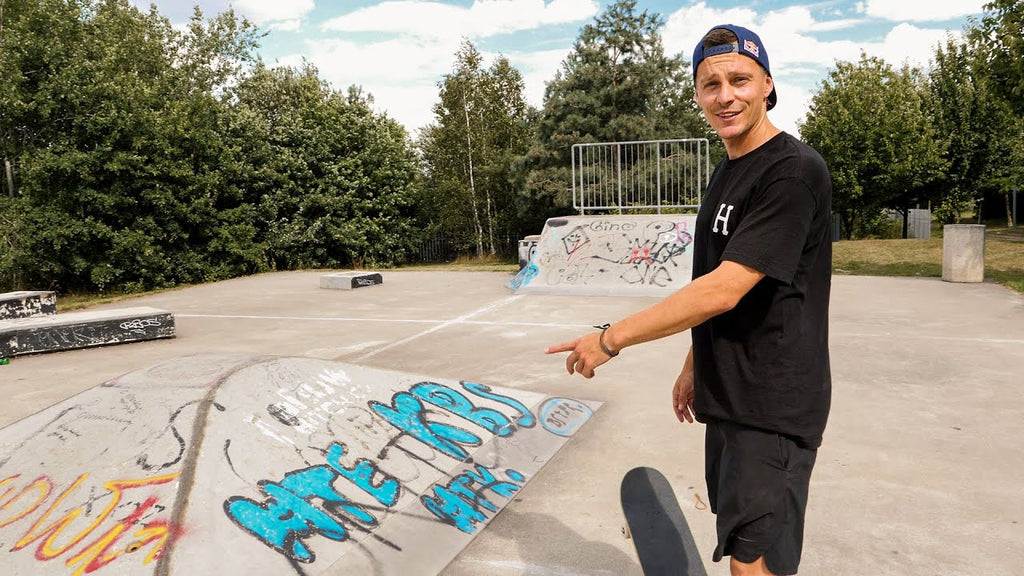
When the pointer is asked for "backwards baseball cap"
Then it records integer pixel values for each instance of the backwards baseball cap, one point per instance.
(749, 44)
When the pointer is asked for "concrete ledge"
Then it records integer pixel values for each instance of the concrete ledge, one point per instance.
(350, 280)
(27, 304)
(83, 330)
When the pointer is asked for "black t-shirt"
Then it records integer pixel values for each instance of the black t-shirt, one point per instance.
(765, 363)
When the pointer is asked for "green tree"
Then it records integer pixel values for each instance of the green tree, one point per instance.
(870, 123)
(962, 114)
(479, 129)
(997, 40)
(113, 137)
(617, 84)
(331, 183)
(149, 157)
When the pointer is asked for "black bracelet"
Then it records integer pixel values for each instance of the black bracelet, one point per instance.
(600, 340)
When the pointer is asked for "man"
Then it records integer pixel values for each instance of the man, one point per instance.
(757, 373)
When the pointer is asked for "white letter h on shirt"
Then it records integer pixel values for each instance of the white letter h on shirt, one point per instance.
(724, 211)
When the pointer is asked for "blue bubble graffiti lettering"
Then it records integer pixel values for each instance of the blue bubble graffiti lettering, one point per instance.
(317, 482)
(407, 414)
(447, 399)
(462, 485)
(525, 419)
(459, 502)
(305, 502)
(453, 510)
(284, 521)
(385, 492)
(563, 416)
(289, 517)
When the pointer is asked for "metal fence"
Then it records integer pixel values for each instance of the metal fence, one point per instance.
(642, 176)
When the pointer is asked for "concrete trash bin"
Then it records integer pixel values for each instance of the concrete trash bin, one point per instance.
(963, 252)
(527, 249)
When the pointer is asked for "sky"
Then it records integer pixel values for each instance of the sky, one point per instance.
(398, 50)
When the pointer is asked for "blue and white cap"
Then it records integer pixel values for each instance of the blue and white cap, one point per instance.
(749, 45)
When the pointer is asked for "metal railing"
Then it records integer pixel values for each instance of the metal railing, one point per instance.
(644, 175)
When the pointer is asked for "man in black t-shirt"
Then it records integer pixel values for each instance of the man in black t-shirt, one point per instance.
(757, 373)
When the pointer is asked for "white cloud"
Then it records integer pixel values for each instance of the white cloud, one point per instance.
(537, 68)
(913, 45)
(416, 41)
(686, 26)
(794, 51)
(833, 25)
(792, 109)
(920, 10)
(275, 13)
(484, 18)
(404, 61)
(402, 72)
(286, 25)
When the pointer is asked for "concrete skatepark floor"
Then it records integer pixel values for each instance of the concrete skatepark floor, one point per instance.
(919, 473)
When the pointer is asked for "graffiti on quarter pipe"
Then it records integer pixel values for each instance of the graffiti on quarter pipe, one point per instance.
(627, 255)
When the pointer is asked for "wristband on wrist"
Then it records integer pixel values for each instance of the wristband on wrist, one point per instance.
(600, 340)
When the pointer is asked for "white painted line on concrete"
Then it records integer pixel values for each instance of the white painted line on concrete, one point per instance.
(533, 569)
(443, 325)
(466, 319)
(308, 318)
(388, 320)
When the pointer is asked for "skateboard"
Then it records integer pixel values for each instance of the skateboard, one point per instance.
(657, 526)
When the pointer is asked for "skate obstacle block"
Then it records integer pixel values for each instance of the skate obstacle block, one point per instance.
(51, 333)
(26, 304)
(350, 280)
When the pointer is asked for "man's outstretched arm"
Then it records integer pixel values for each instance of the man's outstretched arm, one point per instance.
(706, 297)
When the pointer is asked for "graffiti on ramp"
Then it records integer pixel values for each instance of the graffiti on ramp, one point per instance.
(266, 465)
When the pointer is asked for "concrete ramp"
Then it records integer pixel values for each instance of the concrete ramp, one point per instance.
(268, 466)
(636, 255)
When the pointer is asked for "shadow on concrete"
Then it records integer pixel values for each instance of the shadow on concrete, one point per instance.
(538, 539)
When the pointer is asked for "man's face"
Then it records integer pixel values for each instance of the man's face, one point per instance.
(731, 90)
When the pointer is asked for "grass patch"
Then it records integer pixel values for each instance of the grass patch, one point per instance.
(470, 264)
(70, 302)
(1004, 257)
(888, 257)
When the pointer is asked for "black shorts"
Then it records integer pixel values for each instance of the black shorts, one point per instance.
(757, 484)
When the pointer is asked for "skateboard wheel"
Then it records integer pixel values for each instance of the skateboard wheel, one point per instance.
(625, 533)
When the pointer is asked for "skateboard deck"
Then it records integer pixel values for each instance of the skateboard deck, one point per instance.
(657, 526)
